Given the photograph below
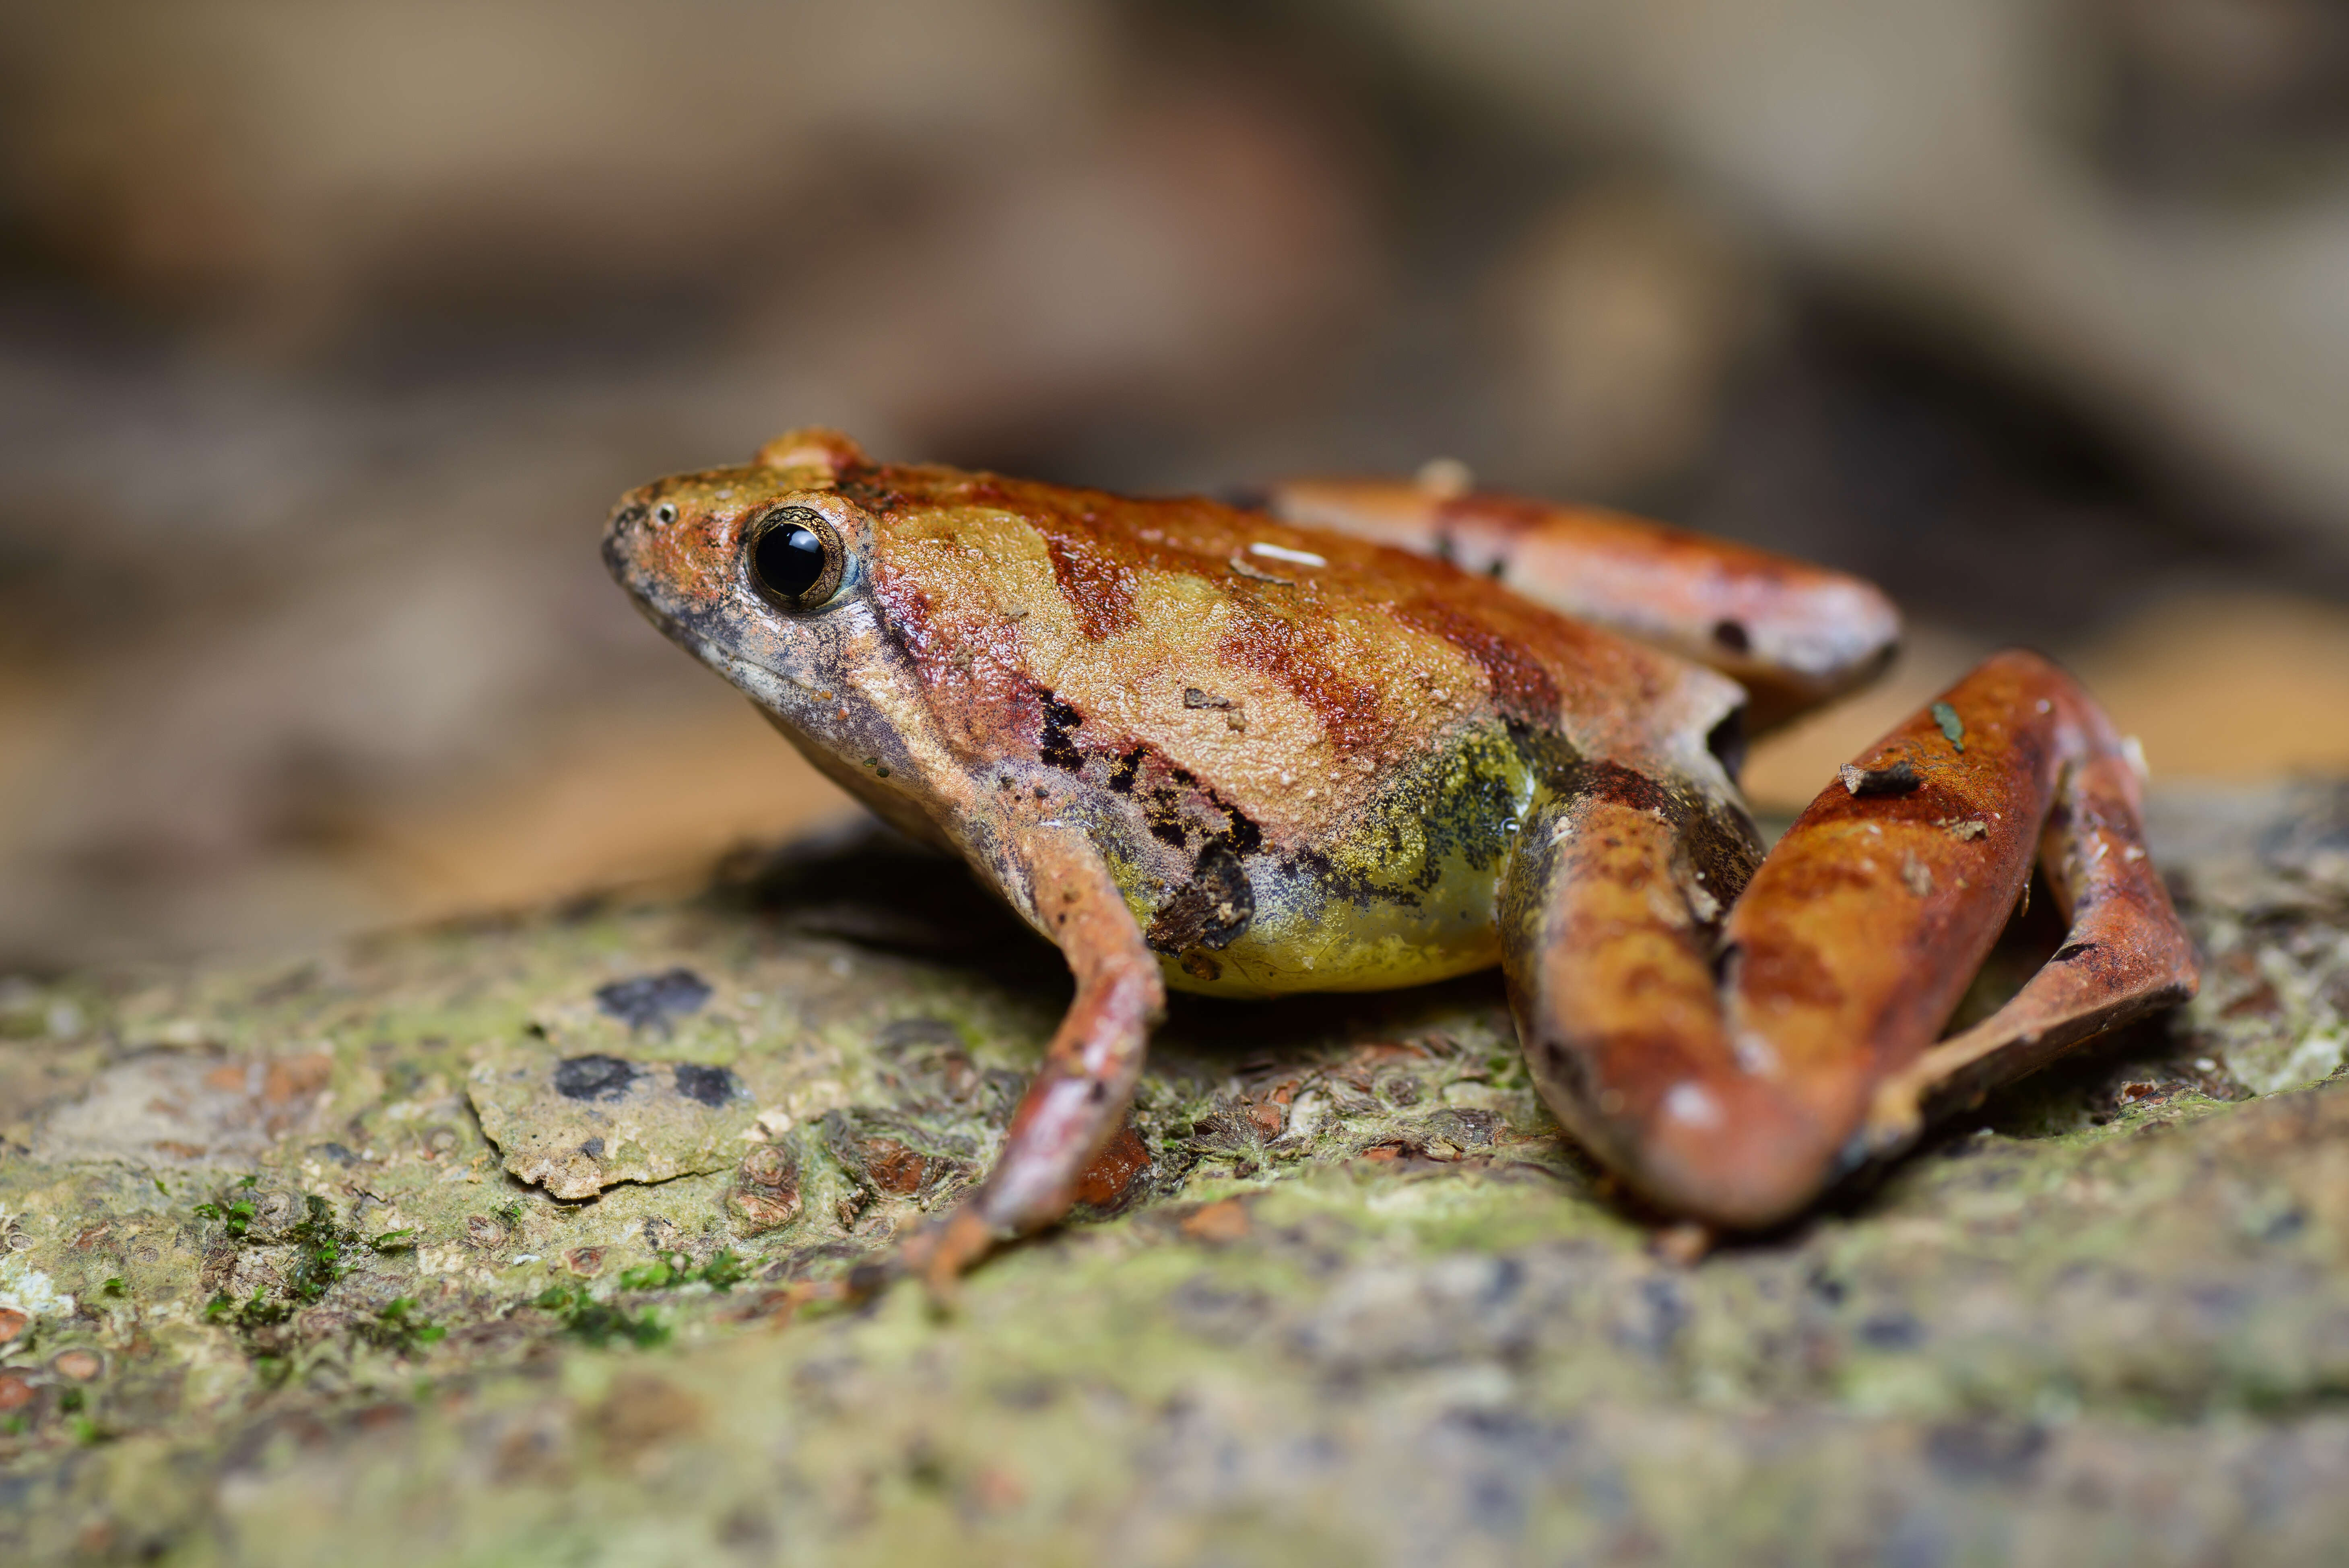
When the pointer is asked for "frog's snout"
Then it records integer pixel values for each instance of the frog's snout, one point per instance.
(617, 534)
(621, 532)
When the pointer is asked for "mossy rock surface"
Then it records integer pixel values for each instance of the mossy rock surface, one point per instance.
(274, 1295)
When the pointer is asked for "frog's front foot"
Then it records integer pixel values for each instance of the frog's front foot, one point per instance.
(1079, 1097)
(943, 1250)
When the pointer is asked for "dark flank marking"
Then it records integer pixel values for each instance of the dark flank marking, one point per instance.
(1055, 747)
(1730, 636)
(712, 1087)
(597, 1077)
(2071, 950)
(650, 1000)
(1120, 777)
(1211, 910)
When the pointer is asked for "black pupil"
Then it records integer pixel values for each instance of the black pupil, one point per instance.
(790, 559)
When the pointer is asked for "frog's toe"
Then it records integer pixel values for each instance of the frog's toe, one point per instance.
(1736, 1153)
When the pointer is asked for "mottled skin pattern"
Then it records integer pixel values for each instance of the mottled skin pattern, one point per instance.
(1201, 747)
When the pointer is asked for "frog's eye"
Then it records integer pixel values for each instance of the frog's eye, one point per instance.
(796, 558)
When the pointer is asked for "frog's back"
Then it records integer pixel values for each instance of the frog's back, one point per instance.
(1305, 753)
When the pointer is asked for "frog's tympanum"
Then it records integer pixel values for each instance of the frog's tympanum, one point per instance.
(1370, 734)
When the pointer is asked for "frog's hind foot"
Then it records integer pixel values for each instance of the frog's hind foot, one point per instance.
(1731, 1067)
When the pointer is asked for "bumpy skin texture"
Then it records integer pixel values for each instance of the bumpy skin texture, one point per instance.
(1199, 746)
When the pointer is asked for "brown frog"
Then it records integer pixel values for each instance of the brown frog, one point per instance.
(1368, 734)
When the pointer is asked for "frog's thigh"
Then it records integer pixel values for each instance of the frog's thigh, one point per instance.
(1737, 1100)
(1793, 634)
(1078, 1098)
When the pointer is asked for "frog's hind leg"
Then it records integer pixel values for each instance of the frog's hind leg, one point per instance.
(1793, 634)
(1077, 1099)
(1732, 1071)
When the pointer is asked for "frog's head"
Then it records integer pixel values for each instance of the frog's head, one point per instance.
(764, 573)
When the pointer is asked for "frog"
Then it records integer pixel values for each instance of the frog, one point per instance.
(1360, 734)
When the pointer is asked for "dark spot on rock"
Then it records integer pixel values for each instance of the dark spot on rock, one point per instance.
(336, 1153)
(1654, 1317)
(593, 1148)
(710, 1085)
(1195, 698)
(906, 1032)
(1891, 1331)
(597, 1077)
(1209, 911)
(1730, 636)
(1985, 1451)
(654, 999)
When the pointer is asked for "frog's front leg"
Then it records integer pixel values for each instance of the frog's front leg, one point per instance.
(1793, 634)
(1078, 1098)
(1731, 1072)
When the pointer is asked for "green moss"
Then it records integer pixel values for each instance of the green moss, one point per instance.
(600, 1322)
(1420, 1327)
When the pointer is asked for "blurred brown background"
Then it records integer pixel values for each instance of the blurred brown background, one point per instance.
(328, 331)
